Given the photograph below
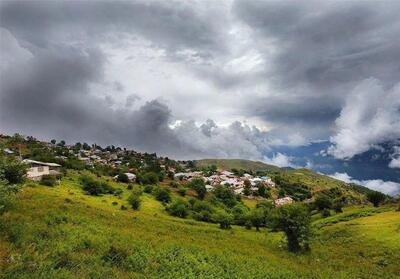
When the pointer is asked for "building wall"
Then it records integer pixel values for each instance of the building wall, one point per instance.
(35, 173)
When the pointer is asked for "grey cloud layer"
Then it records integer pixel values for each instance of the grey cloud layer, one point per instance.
(310, 59)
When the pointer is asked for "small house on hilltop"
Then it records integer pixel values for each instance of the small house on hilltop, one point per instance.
(38, 169)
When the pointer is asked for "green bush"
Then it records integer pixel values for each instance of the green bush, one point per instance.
(179, 208)
(225, 195)
(326, 213)
(376, 198)
(12, 170)
(199, 186)
(224, 220)
(94, 187)
(162, 195)
(323, 201)
(48, 180)
(182, 191)
(122, 177)
(115, 256)
(134, 201)
(148, 189)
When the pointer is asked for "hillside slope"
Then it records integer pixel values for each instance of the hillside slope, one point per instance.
(236, 164)
(62, 233)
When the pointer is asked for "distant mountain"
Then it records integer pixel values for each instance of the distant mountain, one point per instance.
(372, 164)
(236, 164)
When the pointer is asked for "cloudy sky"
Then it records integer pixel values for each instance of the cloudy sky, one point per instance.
(196, 79)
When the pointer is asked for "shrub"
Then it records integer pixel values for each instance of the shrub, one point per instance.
(225, 195)
(123, 207)
(326, 213)
(48, 180)
(122, 177)
(114, 203)
(199, 186)
(12, 170)
(322, 202)
(182, 191)
(338, 206)
(129, 187)
(179, 208)
(6, 193)
(224, 220)
(134, 201)
(376, 197)
(174, 184)
(148, 189)
(162, 195)
(94, 187)
(148, 178)
(295, 221)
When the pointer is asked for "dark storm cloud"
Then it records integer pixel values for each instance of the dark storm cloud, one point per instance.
(326, 44)
(323, 50)
(165, 24)
(54, 51)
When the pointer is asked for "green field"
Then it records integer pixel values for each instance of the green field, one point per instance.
(60, 232)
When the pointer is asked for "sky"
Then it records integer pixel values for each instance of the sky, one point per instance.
(204, 79)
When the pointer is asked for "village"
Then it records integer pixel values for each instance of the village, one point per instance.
(130, 163)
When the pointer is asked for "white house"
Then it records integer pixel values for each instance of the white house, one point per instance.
(38, 169)
(283, 201)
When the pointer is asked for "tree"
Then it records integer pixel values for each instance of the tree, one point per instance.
(224, 220)
(53, 141)
(179, 208)
(263, 191)
(122, 177)
(135, 201)
(13, 171)
(323, 201)
(257, 218)
(225, 195)
(247, 188)
(199, 186)
(94, 187)
(295, 221)
(376, 198)
(163, 195)
(6, 193)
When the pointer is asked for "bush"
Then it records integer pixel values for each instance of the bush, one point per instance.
(148, 189)
(162, 195)
(12, 170)
(134, 201)
(225, 195)
(179, 208)
(174, 184)
(295, 221)
(182, 191)
(376, 198)
(326, 213)
(224, 220)
(322, 202)
(48, 180)
(94, 187)
(148, 178)
(199, 186)
(6, 193)
(122, 177)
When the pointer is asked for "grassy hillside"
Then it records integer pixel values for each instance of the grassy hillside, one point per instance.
(236, 164)
(60, 232)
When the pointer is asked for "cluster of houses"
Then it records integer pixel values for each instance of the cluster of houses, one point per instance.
(228, 178)
(114, 158)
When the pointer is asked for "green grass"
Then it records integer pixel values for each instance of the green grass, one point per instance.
(62, 233)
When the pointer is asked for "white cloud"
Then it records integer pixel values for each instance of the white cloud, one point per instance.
(280, 160)
(395, 162)
(370, 116)
(387, 187)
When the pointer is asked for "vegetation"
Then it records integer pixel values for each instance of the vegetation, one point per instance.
(135, 201)
(95, 187)
(295, 221)
(376, 198)
(48, 180)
